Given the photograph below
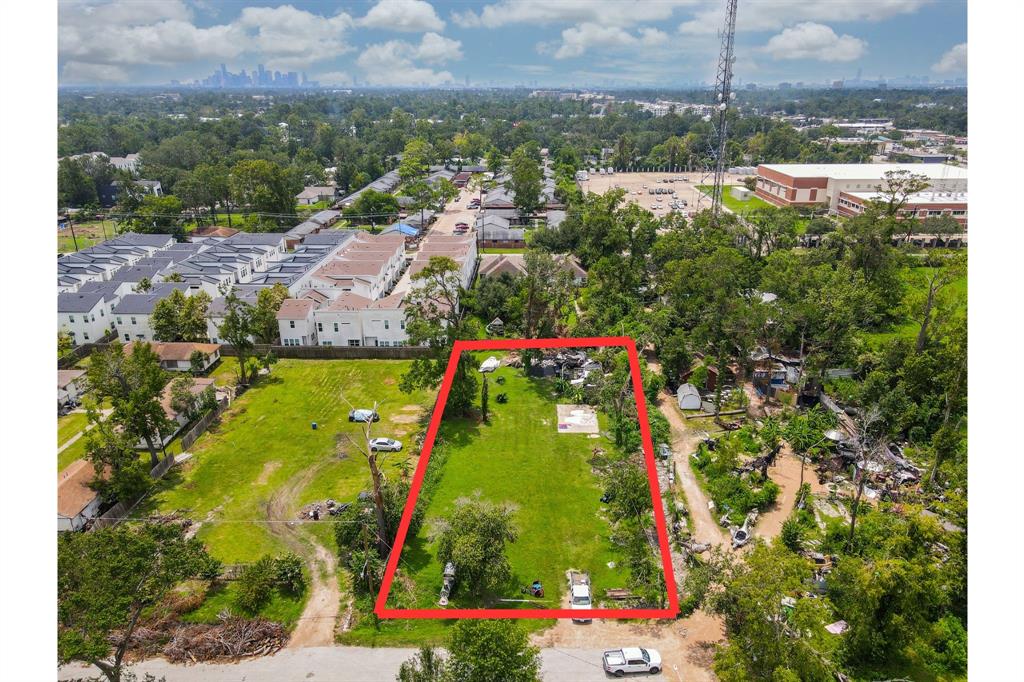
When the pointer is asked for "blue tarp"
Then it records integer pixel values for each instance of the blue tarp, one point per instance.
(407, 230)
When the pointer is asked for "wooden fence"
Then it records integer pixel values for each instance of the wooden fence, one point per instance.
(335, 352)
(119, 511)
(199, 428)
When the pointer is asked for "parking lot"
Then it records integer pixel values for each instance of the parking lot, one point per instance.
(637, 186)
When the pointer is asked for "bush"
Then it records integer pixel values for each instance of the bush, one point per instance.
(792, 535)
(289, 574)
(255, 586)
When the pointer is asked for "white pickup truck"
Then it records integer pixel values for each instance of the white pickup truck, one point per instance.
(579, 592)
(618, 662)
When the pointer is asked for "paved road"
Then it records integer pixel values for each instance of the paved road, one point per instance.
(339, 664)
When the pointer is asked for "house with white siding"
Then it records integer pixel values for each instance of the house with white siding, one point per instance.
(132, 312)
(83, 316)
(77, 503)
(295, 323)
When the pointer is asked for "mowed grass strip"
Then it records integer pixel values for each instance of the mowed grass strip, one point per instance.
(69, 425)
(266, 454)
(519, 458)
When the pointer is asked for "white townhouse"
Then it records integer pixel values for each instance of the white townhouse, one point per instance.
(354, 320)
(132, 313)
(83, 316)
(295, 322)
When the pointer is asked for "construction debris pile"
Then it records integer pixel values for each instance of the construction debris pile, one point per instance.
(573, 365)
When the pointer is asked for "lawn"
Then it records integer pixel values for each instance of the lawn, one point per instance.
(88, 234)
(917, 287)
(519, 458)
(69, 425)
(265, 455)
(734, 204)
(74, 451)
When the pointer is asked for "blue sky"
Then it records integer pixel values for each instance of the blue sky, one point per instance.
(661, 43)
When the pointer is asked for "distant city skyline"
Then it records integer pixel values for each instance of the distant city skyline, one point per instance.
(539, 43)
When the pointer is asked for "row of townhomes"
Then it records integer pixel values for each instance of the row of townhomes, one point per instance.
(358, 296)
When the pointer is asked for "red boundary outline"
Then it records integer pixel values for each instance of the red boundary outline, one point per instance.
(380, 607)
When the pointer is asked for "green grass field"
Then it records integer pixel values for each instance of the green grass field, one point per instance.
(734, 204)
(264, 454)
(519, 458)
(916, 288)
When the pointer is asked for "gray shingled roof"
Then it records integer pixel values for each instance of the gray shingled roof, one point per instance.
(78, 302)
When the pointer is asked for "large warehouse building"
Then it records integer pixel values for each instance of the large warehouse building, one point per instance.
(809, 184)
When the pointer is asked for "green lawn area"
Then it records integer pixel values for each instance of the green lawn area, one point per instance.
(69, 425)
(521, 459)
(283, 608)
(917, 286)
(490, 250)
(264, 452)
(74, 451)
(734, 204)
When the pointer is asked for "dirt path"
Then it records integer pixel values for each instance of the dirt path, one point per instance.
(319, 619)
(685, 645)
(786, 472)
(703, 526)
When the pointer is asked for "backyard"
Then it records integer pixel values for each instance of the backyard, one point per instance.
(265, 460)
(519, 458)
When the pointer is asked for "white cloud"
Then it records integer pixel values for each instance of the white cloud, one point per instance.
(954, 61)
(412, 16)
(577, 40)
(771, 15)
(291, 37)
(394, 62)
(809, 40)
(89, 74)
(436, 49)
(129, 35)
(545, 12)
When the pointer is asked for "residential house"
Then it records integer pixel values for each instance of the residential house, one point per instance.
(71, 385)
(354, 320)
(295, 322)
(132, 313)
(493, 265)
(180, 419)
(176, 356)
(83, 316)
(77, 503)
(314, 195)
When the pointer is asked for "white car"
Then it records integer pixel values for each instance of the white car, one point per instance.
(385, 445)
(618, 662)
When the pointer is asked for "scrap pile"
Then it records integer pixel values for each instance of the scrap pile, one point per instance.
(318, 510)
(231, 638)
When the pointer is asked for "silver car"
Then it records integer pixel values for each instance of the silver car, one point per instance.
(385, 445)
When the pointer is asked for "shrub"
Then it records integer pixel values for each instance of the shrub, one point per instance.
(289, 575)
(792, 534)
(256, 585)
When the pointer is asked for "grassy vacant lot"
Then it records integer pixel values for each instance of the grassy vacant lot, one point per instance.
(264, 461)
(521, 459)
(734, 204)
(88, 234)
(917, 287)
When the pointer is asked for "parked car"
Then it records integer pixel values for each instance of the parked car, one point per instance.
(385, 445)
(664, 451)
(579, 588)
(461, 226)
(363, 416)
(618, 662)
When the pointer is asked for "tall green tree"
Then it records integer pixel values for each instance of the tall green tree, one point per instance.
(133, 384)
(120, 475)
(491, 650)
(435, 320)
(265, 187)
(179, 317)
(107, 578)
(268, 302)
(237, 329)
(526, 180)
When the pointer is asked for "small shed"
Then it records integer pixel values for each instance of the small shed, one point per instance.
(688, 397)
(496, 326)
(741, 193)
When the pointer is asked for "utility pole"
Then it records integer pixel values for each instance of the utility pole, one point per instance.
(71, 224)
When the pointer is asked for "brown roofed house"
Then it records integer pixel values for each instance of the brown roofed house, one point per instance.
(77, 503)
